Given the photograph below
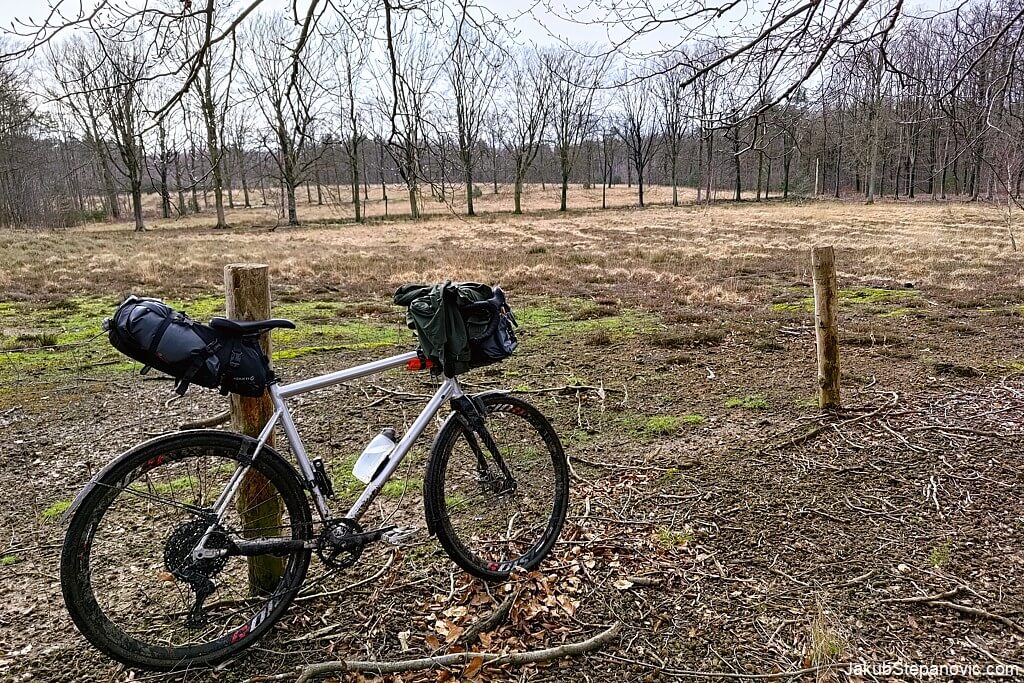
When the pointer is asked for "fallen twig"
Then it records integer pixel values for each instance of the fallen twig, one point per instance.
(978, 612)
(566, 389)
(491, 621)
(357, 584)
(457, 658)
(926, 598)
(859, 579)
(212, 421)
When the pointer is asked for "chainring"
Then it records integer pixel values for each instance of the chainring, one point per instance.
(178, 552)
(332, 548)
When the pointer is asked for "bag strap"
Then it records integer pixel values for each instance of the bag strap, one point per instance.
(198, 359)
(164, 324)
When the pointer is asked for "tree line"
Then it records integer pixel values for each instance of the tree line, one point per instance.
(217, 106)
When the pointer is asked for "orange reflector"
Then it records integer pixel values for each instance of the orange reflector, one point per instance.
(418, 364)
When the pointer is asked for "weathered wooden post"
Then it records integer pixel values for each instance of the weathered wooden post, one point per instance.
(247, 290)
(826, 325)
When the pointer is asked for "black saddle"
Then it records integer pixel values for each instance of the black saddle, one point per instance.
(228, 326)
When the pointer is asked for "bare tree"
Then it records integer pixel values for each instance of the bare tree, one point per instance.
(413, 70)
(350, 61)
(529, 86)
(289, 99)
(638, 127)
(672, 101)
(473, 75)
(574, 81)
(121, 68)
(212, 94)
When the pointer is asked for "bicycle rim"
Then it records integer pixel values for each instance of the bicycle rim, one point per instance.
(487, 523)
(130, 581)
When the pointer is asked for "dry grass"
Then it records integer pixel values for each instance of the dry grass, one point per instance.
(727, 254)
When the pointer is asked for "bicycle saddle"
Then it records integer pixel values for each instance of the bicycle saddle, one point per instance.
(249, 326)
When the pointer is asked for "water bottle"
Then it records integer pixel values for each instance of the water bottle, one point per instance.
(374, 456)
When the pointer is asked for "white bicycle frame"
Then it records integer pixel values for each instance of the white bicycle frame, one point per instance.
(449, 389)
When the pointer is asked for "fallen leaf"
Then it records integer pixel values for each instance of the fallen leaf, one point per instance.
(473, 668)
(623, 584)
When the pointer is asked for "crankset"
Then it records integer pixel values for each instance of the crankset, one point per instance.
(342, 542)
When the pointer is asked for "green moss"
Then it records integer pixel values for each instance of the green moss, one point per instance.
(8, 560)
(455, 503)
(346, 486)
(299, 351)
(589, 311)
(791, 307)
(579, 436)
(668, 539)
(694, 419)
(876, 295)
(751, 402)
(54, 512)
(394, 488)
(321, 327)
(663, 425)
(939, 556)
(588, 321)
(873, 296)
(669, 474)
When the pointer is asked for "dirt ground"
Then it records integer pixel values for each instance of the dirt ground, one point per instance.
(735, 532)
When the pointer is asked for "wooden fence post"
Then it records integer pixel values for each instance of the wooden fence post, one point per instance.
(826, 325)
(247, 291)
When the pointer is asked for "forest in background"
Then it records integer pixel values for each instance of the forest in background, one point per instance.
(216, 106)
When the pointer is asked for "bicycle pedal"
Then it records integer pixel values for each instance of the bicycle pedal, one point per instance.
(399, 535)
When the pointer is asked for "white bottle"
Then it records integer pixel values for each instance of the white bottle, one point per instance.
(374, 456)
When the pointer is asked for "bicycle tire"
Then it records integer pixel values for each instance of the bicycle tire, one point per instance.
(439, 502)
(136, 465)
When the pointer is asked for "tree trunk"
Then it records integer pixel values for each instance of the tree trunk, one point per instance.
(675, 172)
(213, 144)
(137, 203)
(353, 164)
(293, 214)
(517, 195)
(736, 161)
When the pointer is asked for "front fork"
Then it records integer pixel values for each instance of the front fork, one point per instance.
(472, 415)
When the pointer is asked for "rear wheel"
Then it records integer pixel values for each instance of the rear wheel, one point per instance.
(497, 497)
(129, 577)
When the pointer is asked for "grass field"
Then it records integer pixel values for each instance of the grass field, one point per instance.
(714, 511)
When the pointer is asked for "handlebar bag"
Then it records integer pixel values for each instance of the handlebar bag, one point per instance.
(498, 339)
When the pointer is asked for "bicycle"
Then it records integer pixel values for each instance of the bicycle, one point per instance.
(156, 566)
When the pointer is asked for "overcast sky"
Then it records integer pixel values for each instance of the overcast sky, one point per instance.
(530, 18)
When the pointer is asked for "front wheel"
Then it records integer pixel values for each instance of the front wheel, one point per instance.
(496, 490)
(129, 574)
